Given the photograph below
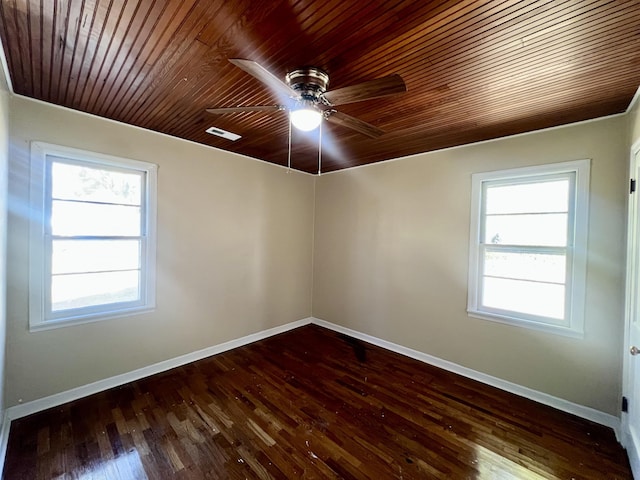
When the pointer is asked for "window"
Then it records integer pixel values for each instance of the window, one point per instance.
(92, 237)
(528, 246)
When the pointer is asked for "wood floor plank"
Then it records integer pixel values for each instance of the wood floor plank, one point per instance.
(309, 403)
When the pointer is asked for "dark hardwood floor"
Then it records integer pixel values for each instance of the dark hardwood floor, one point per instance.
(309, 403)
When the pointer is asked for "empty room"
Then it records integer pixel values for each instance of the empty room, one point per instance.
(319, 239)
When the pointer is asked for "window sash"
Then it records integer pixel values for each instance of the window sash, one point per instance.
(570, 176)
(96, 164)
(528, 248)
(566, 252)
(51, 314)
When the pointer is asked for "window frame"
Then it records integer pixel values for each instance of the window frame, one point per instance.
(41, 316)
(576, 249)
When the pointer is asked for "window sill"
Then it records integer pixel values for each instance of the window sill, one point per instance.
(532, 325)
(92, 318)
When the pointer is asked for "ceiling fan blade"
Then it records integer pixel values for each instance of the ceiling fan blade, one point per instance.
(380, 87)
(266, 77)
(257, 108)
(353, 123)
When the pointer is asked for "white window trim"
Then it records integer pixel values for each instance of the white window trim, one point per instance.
(576, 280)
(37, 254)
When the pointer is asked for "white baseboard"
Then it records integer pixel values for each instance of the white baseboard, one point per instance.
(631, 443)
(540, 397)
(19, 411)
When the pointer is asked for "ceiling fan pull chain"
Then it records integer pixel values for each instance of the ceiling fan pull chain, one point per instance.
(289, 149)
(320, 148)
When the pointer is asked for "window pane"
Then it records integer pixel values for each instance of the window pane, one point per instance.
(536, 197)
(542, 267)
(73, 218)
(81, 182)
(78, 256)
(88, 289)
(542, 299)
(548, 230)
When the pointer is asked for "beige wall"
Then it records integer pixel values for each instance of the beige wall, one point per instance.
(634, 123)
(234, 254)
(4, 172)
(391, 260)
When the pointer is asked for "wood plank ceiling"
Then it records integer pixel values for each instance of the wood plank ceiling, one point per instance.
(474, 70)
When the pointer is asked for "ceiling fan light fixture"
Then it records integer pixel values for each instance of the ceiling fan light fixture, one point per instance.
(306, 117)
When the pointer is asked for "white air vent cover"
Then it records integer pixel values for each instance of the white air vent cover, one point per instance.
(223, 133)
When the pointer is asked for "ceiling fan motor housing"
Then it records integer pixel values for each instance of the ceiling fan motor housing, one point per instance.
(308, 99)
(309, 82)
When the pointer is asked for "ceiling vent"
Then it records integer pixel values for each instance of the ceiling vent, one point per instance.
(223, 133)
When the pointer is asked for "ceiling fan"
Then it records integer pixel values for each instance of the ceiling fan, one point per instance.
(305, 96)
